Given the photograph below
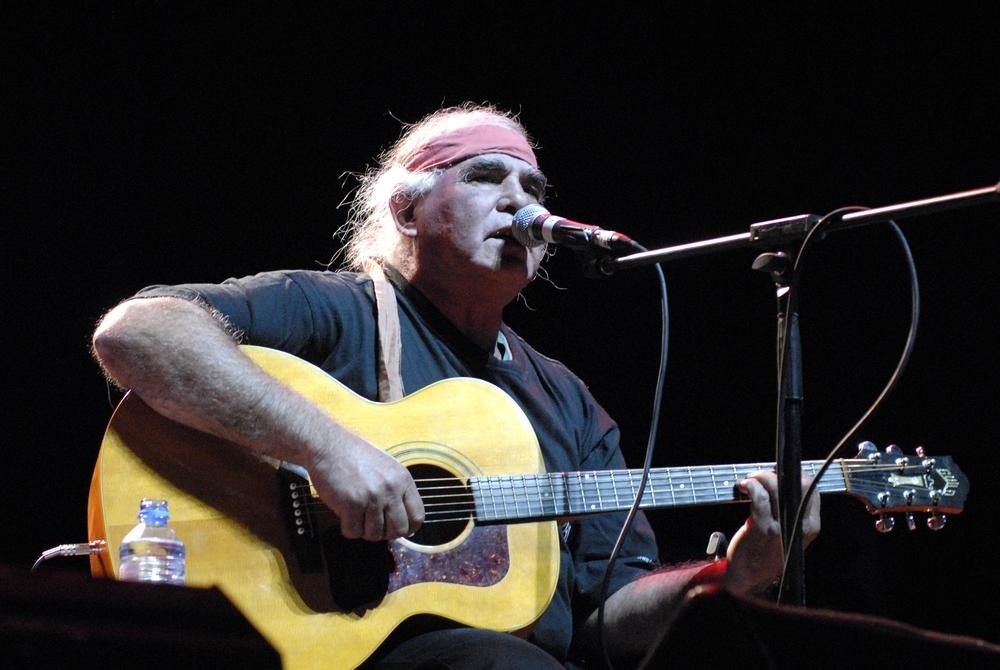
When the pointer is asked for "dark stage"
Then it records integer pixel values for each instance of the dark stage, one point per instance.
(157, 142)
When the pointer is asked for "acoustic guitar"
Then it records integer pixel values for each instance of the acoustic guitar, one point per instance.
(488, 553)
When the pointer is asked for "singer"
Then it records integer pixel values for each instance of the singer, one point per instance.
(432, 263)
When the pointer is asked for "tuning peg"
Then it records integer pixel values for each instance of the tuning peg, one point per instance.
(936, 521)
(920, 451)
(867, 449)
(911, 523)
(894, 450)
(884, 524)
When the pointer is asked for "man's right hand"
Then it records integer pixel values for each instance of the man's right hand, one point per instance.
(371, 493)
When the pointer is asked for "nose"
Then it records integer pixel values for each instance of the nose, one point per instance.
(513, 196)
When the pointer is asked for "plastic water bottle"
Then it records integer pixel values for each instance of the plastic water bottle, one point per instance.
(151, 551)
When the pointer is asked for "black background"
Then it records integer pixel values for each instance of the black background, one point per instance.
(164, 142)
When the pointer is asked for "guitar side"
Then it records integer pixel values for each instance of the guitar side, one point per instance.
(225, 502)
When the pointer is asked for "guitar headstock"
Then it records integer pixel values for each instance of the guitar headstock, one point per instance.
(890, 482)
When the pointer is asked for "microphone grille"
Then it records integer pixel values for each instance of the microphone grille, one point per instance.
(521, 227)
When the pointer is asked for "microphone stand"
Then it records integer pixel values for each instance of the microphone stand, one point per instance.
(788, 459)
(776, 237)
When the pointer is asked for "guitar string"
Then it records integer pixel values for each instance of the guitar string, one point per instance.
(593, 481)
(460, 515)
(594, 484)
(531, 485)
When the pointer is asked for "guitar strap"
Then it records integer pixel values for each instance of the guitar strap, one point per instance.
(390, 347)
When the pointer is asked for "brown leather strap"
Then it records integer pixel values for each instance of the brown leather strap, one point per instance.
(390, 382)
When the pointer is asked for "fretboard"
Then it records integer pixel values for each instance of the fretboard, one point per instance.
(537, 497)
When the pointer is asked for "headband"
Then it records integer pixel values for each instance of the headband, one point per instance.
(463, 143)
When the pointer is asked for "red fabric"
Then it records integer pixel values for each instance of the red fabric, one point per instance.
(464, 143)
(711, 575)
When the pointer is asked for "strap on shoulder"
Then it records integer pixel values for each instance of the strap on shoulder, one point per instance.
(390, 382)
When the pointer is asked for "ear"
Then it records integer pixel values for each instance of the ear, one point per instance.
(403, 212)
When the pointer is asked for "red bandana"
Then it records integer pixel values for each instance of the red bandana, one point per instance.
(464, 143)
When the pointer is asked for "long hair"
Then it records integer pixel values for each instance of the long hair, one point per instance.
(370, 230)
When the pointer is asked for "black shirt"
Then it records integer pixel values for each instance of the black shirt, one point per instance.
(330, 320)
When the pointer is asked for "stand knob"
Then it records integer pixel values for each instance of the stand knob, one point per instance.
(717, 545)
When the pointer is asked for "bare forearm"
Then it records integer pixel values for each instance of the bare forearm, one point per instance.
(635, 613)
(181, 361)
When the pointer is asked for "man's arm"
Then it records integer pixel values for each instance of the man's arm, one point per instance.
(638, 611)
(179, 358)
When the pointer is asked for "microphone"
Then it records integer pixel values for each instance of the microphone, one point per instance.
(534, 225)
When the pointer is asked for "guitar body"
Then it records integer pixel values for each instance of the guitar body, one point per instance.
(231, 510)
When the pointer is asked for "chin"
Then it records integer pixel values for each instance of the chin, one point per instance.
(516, 264)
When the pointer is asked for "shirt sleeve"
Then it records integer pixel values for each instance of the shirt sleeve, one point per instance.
(295, 311)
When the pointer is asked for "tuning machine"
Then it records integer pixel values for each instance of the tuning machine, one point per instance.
(884, 523)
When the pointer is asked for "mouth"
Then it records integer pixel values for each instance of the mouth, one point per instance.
(504, 234)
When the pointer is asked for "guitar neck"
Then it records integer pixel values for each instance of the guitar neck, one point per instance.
(542, 497)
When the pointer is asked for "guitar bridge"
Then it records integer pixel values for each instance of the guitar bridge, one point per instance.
(304, 534)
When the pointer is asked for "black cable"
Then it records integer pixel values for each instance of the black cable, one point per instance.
(792, 303)
(647, 462)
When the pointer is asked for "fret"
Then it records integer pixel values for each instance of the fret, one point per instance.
(490, 510)
(835, 477)
(494, 490)
(506, 495)
(503, 497)
(541, 498)
(517, 495)
(842, 465)
(695, 477)
(618, 504)
(529, 499)
(561, 494)
(650, 489)
(506, 500)
(597, 489)
(479, 495)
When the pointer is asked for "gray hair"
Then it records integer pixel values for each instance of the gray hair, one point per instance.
(370, 230)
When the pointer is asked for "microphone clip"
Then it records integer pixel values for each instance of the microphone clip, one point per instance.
(594, 260)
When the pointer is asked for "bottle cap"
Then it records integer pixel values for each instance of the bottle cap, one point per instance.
(153, 511)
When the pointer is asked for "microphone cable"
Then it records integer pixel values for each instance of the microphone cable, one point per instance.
(792, 304)
(647, 462)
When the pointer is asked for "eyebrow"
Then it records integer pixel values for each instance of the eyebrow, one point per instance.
(537, 177)
(532, 175)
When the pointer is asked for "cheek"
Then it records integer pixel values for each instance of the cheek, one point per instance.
(452, 221)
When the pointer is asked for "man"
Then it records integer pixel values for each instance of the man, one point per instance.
(434, 218)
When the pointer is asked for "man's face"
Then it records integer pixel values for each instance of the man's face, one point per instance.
(463, 225)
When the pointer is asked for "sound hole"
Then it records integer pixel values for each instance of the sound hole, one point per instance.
(448, 505)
